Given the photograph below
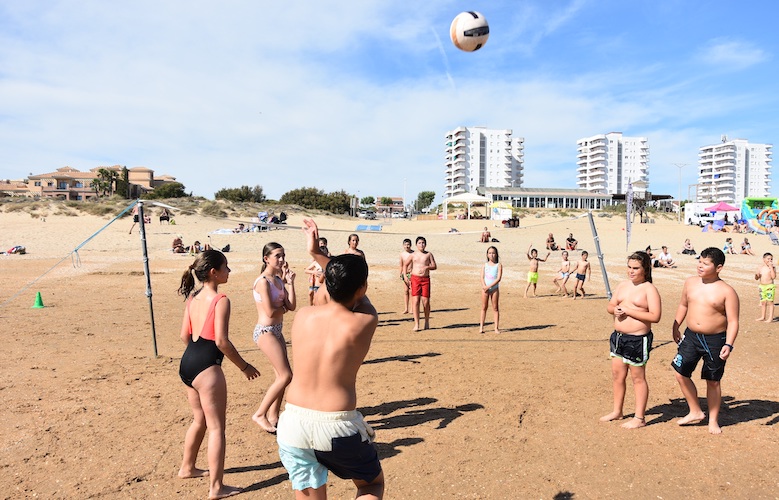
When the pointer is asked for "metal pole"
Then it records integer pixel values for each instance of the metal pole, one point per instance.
(681, 166)
(600, 255)
(404, 194)
(148, 274)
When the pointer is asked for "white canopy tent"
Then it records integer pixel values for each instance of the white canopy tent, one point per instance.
(467, 198)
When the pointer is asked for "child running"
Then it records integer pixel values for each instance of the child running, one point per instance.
(561, 278)
(320, 428)
(274, 295)
(204, 331)
(422, 262)
(582, 272)
(405, 274)
(532, 274)
(711, 307)
(766, 274)
(491, 274)
(635, 306)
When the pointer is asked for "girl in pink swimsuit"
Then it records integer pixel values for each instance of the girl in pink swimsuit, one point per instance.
(274, 294)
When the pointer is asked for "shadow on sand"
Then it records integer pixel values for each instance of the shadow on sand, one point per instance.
(733, 411)
(409, 358)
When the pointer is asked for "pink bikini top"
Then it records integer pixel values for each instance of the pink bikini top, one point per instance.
(207, 332)
(276, 295)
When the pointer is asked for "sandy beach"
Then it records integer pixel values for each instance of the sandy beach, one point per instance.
(91, 412)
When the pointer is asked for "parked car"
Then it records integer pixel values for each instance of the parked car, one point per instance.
(700, 219)
(370, 215)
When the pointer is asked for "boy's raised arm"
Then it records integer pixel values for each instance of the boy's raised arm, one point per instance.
(312, 242)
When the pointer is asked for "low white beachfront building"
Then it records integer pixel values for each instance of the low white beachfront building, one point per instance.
(574, 199)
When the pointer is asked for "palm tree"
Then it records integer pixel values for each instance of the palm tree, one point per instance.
(107, 180)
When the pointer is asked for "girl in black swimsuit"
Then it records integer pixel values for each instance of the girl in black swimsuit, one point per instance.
(204, 331)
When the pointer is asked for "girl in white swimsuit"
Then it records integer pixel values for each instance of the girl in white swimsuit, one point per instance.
(274, 294)
(490, 281)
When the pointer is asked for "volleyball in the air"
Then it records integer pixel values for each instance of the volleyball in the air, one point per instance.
(469, 31)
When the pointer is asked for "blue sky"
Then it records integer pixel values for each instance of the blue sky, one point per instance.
(358, 95)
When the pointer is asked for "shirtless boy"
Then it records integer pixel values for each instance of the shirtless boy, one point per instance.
(570, 242)
(635, 306)
(532, 273)
(135, 218)
(422, 262)
(582, 272)
(711, 308)
(485, 236)
(405, 274)
(550, 243)
(766, 274)
(561, 278)
(320, 428)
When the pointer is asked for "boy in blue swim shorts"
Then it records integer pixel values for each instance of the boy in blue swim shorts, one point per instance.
(320, 429)
(710, 307)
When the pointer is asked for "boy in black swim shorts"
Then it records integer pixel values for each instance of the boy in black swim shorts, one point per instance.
(695, 347)
(711, 307)
(635, 305)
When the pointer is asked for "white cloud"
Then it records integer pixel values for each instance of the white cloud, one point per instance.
(731, 55)
(337, 96)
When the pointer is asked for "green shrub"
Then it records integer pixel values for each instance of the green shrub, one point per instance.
(212, 209)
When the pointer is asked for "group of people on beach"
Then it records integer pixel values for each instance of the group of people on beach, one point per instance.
(746, 247)
(320, 428)
(709, 306)
(711, 310)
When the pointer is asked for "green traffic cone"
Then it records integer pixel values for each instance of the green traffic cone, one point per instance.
(38, 301)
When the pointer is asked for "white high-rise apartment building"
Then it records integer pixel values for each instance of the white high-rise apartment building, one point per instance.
(606, 163)
(482, 157)
(734, 170)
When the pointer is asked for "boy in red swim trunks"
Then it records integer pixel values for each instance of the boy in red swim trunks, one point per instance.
(422, 262)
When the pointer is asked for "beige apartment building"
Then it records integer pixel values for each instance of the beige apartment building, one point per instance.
(68, 183)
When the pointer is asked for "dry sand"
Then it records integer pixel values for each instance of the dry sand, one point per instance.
(90, 412)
